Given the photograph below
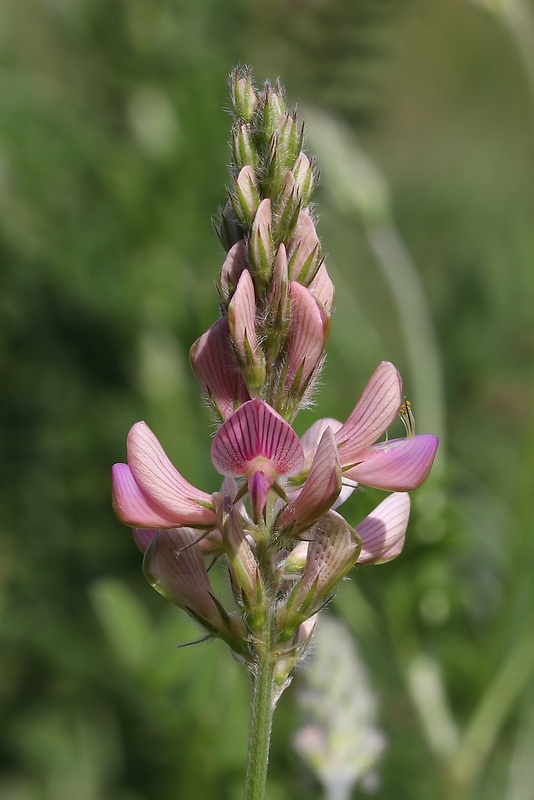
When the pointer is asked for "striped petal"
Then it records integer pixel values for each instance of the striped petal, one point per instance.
(323, 289)
(242, 320)
(161, 481)
(133, 506)
(383, 531)
(213, 362)
(308, 331)
(399, 465)
(322, 486)
(256, 435)
(373, 414)
(174, 566)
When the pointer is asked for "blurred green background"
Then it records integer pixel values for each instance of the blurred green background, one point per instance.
(113, 154)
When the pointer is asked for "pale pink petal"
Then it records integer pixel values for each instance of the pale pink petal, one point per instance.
(213, 362)
(242, 319)
(332, 551)
(143, 537)
(235, 263)
(161, 481)
(321, 488)
(312, 437)
(174, 566)
(133, 506)
(399, 465)
(373, 414)
(308, 331)
(255, 431)
(304, 250)
(383, 531)
(323, 289)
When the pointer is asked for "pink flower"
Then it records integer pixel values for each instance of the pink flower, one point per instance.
(258, 444)
(149, 492)
(398, 465)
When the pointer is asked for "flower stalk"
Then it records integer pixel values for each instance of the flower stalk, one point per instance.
(274, 524)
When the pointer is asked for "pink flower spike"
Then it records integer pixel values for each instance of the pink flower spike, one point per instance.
(383, 531)
(158, 478)
(321, 488)
(258, 443)
(373, 414)
(213, 362)
(398, 465)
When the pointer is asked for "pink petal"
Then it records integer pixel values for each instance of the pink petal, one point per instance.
(256, 431)
(213, 362)
(162, 482)
(143, 537)
(307, 337)
(133, 506)
(323, 289)
(383, 531)
(373, 414)
(235, 263)
(304, 250)
(321, 488)
(174, 566)
(399, 465)
(259, 485)
(312, 437)
(332, 552)
(242, 319)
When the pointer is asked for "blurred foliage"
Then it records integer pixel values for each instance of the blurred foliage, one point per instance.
(113, 139)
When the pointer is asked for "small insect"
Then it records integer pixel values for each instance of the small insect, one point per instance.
(407, 417)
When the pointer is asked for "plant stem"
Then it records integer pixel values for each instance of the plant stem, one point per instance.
(263, 701)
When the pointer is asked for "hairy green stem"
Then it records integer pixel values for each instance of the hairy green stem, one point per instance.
(263, 701)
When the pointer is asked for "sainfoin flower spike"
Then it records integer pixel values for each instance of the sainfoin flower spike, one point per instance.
(273, 522)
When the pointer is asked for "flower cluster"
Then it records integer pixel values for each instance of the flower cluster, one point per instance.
(274, 520)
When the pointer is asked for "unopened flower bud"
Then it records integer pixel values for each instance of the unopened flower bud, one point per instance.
(305, 177)
(284, 147)
(234, 264)
(229, 230)
(304, 251)
(261, 244)
(244, 97)
(242, 322)
(276, 325)
(245, 574)
(244, 148)
(286, 209)
(273, 107)
(246, 199)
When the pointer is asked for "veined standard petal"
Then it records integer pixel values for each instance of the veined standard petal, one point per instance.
(372, 415)
(213, 362)
(383, 531)
(133, 506)
(321, 488)
(256, 431)
(161, 481)
(399, 465)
